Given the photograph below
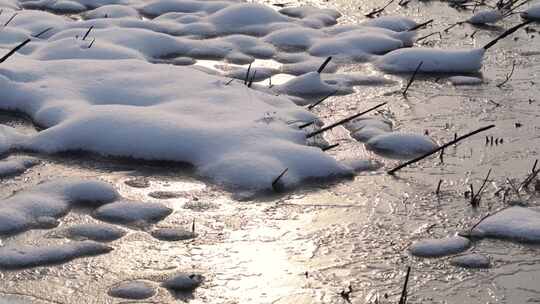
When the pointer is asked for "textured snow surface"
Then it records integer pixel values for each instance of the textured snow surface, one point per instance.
(486, 17)
(94, 232)
(16, 165)
(401, 145)
(532, 13)
(94, 85)
(472, 260)
(518, 224)
(135, 290)
(464, 80)
(130, 212)
(440, 247)
(433, 60)
(183, 282)
(41, 206)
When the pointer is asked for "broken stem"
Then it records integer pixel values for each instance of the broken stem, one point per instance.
(325, 63)
(506, 33)
(15, 49)
(321, 100)
(276, 181)
(412, 78)
(403, 298)
(87, 32)
(391, 172)
(343, 121)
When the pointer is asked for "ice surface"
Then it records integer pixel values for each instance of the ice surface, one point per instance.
(516, 223)
(440, 247)
(401, 145)
(18, 257)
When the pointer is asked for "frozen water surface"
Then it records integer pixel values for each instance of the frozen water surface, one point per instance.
(147, 123)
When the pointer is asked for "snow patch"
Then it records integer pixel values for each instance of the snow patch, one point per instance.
(134, 290)
(19, 257)
(440, 247)
(401, 145)
(472, 260)
(518, 224)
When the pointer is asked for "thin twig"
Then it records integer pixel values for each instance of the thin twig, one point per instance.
(403, 298)
(506, 33)
(321, 100)
(87, 33)
(391, 172)
(438, 191)
(421, 25)
(412, 78)
(252, 79)
(475, 198)
(379, 10)
(10, 19)
(307, 124)
(276, 180)
(42, 32)
(92, 43)
(329, 147)
(246, 78)
(14, 50)
(325, 63)
(508, 76)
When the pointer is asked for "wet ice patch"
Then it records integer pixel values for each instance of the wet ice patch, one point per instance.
(401, 145)
(440, 247)
(472, 260)
(516, 223)
(132, 213)
(134, 290)
(19, 257)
